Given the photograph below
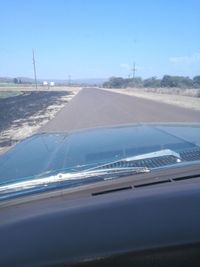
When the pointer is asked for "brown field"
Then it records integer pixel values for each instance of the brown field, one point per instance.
(186, 98)
(40, 88)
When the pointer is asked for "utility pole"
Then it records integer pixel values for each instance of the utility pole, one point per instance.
(69, 80)
(134, 70)
(34, 67)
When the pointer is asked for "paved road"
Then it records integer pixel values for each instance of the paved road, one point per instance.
(95, 107)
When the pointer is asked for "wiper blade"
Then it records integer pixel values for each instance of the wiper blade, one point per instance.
(104, 174)
(156, 154)
(159, 153)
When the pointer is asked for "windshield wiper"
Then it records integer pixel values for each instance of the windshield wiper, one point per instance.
(156, 154)
(103, 174)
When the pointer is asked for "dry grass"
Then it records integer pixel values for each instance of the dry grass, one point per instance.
(174, 91)
(40, 88)
(187, 98)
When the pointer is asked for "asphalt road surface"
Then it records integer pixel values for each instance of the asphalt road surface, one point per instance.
(96, 107)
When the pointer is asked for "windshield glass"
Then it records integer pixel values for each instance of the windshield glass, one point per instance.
(97, 84)
(84, 157)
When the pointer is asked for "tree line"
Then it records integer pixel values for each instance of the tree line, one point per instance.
(153, 82)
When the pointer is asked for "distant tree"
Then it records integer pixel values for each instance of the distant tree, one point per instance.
(15, 80)
(135, 82)
(114, 82)
(176, 81)
(167, 81)
(196, 81)
(184, 82)
(118, 82)
(152, 82)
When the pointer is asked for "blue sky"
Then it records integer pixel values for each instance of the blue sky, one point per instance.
(99, 38)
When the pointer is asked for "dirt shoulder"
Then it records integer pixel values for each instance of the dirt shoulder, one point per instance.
(22, 115)
(173, 99)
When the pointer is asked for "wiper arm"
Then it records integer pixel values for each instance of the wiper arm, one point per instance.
(103, 174)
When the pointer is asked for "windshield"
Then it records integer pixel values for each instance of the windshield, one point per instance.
(50, 161)
(89, 86)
